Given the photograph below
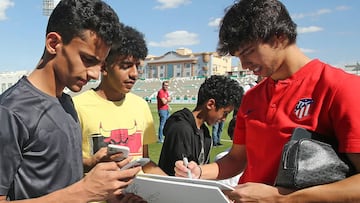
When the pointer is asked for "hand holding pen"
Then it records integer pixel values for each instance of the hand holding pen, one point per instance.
(186, 163)
(186, 169)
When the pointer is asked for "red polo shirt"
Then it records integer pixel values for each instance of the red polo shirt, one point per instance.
(317, 97)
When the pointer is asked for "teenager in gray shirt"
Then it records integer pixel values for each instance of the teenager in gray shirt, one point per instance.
(40, 137)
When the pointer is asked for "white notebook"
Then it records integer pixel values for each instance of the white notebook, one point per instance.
(215, 183)
(170, 189)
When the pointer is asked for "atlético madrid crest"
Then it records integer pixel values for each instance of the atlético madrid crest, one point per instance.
(302, 107)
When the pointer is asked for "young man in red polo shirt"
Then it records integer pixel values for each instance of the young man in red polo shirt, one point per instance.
(297, 92)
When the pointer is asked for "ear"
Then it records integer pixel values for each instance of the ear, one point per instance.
(104, 70)
(210, 104)
(53, 40)
(280, 41)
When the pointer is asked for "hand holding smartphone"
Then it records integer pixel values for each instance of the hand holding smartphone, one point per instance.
(115, 149)
(135, 163)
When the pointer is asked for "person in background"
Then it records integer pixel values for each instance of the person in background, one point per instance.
(163, 100)
(297, 91)
(186, 134)
(40, 159)
(217, 129)
(111, 112)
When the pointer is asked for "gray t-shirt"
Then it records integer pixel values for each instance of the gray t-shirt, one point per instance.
(40, 142)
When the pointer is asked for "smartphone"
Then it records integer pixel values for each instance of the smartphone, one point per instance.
(135, 163)
(114, 149)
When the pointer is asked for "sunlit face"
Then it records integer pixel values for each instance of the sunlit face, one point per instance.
(263, 59)
(123, 74)
(80, 61)
(217, 115)
(165, 86)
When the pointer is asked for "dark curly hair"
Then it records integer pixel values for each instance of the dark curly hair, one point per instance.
(250, 21)
(71, 18)
(224, 90)
(132, 43)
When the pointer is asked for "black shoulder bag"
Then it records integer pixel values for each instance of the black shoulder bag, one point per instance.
(307, 160)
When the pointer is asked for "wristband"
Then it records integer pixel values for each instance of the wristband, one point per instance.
(200, 171)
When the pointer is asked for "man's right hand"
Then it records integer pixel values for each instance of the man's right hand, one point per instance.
(181, 170)
(106, 181)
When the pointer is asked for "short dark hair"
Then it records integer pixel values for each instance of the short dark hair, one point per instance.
(224, 90)
(250, 21)
(71, 18)
(131, 43)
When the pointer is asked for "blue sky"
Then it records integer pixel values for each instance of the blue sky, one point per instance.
(327, 29)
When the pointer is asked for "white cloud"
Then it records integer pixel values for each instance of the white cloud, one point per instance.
(302, 30)
(5, 4)
(297, 16)
(167, 4)
(214, 22)
(177, 38)
(322, 12)
(307, 50)
(342, 8)
(315, 14)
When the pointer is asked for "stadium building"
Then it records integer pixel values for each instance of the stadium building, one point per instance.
(184, 63)
(7, 79)
(186, 71)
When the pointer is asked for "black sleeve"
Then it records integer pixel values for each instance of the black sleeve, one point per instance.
(10, 148)
(176, 144)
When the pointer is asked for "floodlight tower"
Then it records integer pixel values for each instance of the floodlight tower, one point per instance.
(48, 6)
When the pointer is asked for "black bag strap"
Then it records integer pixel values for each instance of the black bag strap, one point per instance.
(302, 133)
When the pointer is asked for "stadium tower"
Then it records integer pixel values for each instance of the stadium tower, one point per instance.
(48, 6)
